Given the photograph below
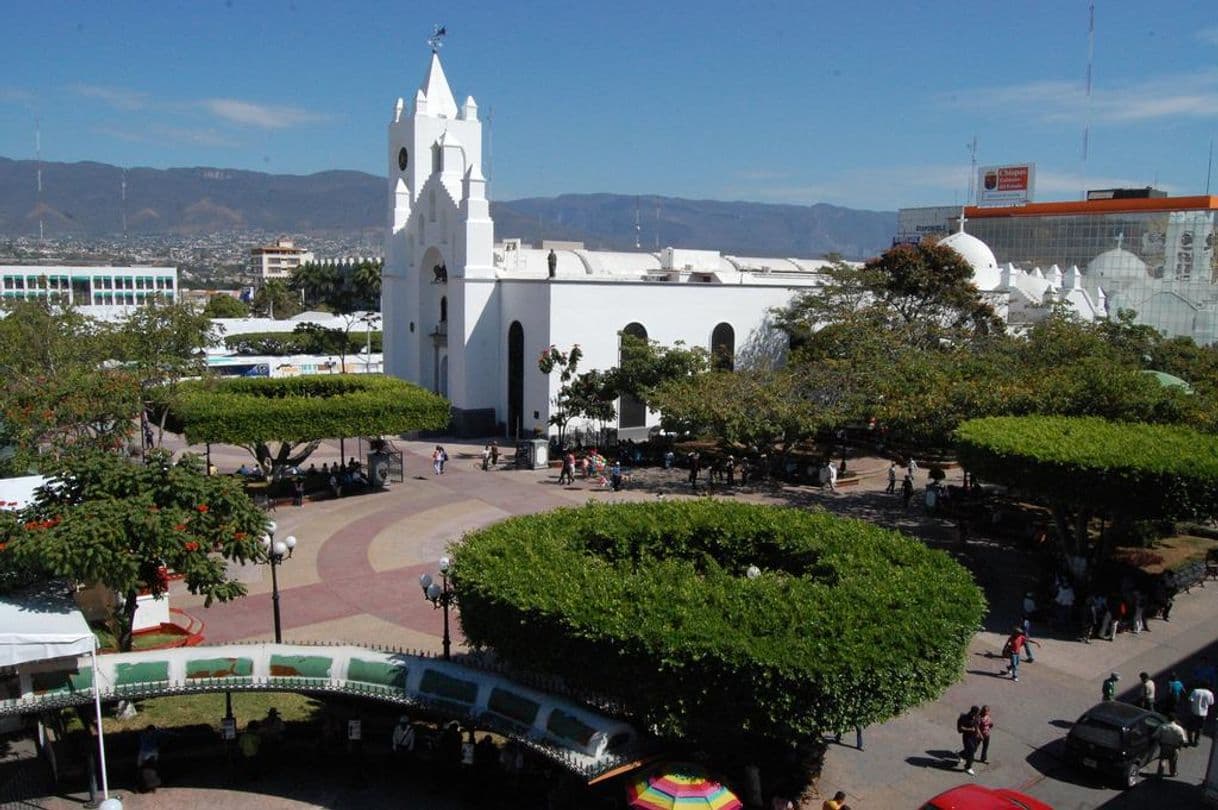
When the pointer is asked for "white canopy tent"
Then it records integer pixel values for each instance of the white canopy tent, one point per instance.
(44, 623)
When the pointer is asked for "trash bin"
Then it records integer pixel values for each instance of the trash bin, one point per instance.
(533, 454)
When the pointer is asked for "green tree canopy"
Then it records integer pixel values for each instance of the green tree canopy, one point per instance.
(62, 388)
(108, 520)
(225, 306)
(349, 290)
(299, 412)
(1084, 467)
(845, 623)
(275, 300)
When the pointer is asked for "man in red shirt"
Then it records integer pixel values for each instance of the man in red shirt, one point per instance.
(1013, 650)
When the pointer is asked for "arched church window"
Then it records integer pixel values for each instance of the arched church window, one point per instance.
(632, 412)
(723, 347)
(515, 380)
(437, 159)
(431, 205)
(443, 309)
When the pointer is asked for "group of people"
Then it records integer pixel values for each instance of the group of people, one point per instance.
(1186, 707)
(1104, 612)
(490, 455)
(975, 728)
(725, 470)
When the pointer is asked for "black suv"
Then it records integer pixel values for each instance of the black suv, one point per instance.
(1116, 739)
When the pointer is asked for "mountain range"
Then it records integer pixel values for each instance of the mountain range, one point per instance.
(86, 199)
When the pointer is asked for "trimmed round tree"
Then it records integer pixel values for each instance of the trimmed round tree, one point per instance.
(1084, 467)
(721, 622)
(296, 411)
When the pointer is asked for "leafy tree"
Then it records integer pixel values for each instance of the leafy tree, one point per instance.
(347, 290)
(845, 623)
(274, 300)
(1085, 467)
(162, 344)
(299, 412)
(566, 401)
(225, 306)
(925, 290)
(646, 364)
(302, 340)
(59, 390)
(104, 519)
(754, 409)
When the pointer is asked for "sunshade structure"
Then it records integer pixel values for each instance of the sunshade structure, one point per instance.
(42, 624)
(681, 787)
(1169, 380)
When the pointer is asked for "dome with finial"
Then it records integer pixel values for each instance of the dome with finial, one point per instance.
(1118, 267)
(986, 274)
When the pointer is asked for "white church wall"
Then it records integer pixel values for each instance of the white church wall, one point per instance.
(526, 302)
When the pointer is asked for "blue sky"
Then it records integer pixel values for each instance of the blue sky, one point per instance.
(866, 104)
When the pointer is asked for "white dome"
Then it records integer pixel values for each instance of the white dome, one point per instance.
(986, 274)
(1118, 268)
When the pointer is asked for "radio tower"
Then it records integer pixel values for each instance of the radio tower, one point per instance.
(38, 170)
(124, 204)
(972, 171)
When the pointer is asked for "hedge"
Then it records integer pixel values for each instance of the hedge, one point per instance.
(1142, 470)
(285, 343)
(648, 604)
(241, 411)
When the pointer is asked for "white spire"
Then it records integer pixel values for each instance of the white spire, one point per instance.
(440, 101)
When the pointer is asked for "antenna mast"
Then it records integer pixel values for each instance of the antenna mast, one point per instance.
(1209, 167)
(490, 148)
(972, 171)
(657, 226)
(1087, 90)
(638, 229)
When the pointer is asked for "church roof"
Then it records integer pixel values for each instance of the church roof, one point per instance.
(1118, 265)
(440, 101)
(986, 274)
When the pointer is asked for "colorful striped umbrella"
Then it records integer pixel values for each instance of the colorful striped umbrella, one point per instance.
(681, 787)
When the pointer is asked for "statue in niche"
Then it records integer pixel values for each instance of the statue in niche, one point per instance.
(441, 273)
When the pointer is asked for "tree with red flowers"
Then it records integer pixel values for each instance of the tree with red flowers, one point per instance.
(111, 521)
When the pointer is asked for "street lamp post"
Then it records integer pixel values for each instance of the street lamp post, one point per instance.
(276, 550)
(369, 319)
(441, 595)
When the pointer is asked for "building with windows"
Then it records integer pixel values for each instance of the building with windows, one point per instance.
(468, 316)
(279, 260)
(90, 286)
(1154, 255)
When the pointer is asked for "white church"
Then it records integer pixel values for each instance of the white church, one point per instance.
(467, 316)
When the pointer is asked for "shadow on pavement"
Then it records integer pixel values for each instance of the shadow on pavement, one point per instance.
(1155, 792)
(934, 762)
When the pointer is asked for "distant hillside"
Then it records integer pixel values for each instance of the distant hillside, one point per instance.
(83, 199)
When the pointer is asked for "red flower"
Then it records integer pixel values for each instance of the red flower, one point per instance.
(181, 527)
(239, 536)
(202, 508)
(191, 545)
(3, 546)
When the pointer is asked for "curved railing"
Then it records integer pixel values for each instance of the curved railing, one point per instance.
(566, 729)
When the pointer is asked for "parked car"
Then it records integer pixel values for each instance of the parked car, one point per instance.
(1115, 739)
(979, 797)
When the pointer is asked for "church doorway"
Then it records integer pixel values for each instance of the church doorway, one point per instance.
(515, 380)
(632, 412)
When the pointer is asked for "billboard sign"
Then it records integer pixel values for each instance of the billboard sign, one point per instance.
(1005, 185)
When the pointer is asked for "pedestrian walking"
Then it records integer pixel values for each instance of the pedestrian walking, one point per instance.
(1171, 738)
(1199, 702)
(911, 469)
(437, 460)
(907, 490)
(486, 457)
(695, 465)
(1146, 697)
(1028, 642)
(1175, 694)
(1108, 690)
(1013, 650)
(830, 476)
(985, 725)
(494, 454)
(403, 740)
(892, 479)
(970, 737)
(858, 737)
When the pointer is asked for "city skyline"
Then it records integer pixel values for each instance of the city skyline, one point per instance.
(795, 103)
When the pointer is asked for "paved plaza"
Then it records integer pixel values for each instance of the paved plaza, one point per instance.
(354, 577)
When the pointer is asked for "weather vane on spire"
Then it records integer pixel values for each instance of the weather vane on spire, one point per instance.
(436, 39)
